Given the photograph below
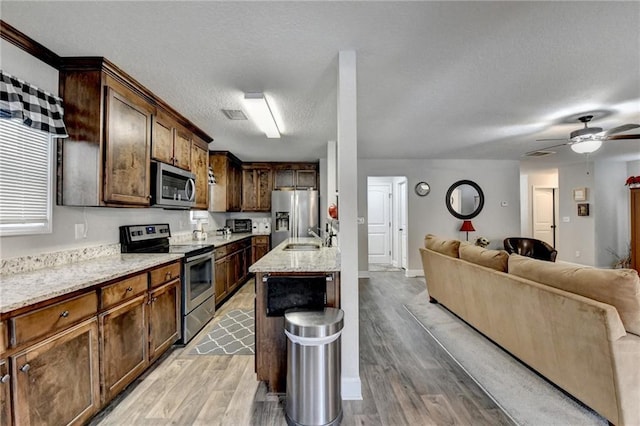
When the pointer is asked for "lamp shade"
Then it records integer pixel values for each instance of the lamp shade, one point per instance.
(467, 226)
(586, 147)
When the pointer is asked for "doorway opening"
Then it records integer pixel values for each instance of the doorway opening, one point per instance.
(387, 223)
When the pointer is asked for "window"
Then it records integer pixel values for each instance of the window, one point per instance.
(25, 179)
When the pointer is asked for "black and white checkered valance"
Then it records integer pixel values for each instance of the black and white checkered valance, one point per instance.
(34, 107)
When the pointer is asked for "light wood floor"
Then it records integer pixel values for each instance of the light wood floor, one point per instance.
(407, 379)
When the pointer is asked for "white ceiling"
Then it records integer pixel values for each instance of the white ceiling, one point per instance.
(435, 79)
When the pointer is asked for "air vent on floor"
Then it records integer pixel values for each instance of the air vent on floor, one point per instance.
(538, 153)
(234, 114)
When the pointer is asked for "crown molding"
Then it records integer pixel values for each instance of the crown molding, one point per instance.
(29, 45)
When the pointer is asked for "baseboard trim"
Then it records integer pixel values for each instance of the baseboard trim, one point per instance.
(412, 273)
(351, 388)
(363, 274)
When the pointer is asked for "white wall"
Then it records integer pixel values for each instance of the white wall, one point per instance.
(102, 223)
(611, 212)
(633, 168)
(499, 181)
(577, 236)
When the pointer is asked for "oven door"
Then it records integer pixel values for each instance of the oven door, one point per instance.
(198, 283)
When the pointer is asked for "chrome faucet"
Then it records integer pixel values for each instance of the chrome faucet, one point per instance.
(310, 231)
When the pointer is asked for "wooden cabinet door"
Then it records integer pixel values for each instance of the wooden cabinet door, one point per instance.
(264, 188)
(256, 189)
(635, 228)
(306, 179)
(127, 150)
(284, 179)
(249, 190)
(182, 149)
(164, 318)
(200, 167)
(5, 394)
(56, 381)
(123, 345)
(163, 134)
(236, 189)
(221, 278)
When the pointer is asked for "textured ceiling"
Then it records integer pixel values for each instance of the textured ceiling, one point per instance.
(435, 79)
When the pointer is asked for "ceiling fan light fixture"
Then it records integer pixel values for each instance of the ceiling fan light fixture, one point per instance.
(587, 146)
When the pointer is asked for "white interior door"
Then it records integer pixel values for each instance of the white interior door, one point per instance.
(379, 228)
(402, 230)
(543, 215)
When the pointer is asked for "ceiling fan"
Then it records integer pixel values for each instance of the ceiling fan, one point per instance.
(589, 139)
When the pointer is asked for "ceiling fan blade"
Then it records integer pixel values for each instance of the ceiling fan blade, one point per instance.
(556, 139)
(618, 137)
(549, 147)
(619, 129)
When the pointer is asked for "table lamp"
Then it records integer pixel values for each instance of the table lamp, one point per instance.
(467, 227)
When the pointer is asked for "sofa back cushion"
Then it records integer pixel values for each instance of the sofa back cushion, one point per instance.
(446, 247)
(494, 259)
(617, 287)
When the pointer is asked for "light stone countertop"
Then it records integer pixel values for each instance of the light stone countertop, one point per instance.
(327, 259)
(27, 288)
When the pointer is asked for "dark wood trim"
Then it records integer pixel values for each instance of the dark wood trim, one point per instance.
(26, 43)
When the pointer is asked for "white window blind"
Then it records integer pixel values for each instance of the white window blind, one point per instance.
(25, 179)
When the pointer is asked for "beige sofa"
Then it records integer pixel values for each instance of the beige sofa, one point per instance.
(577, 326)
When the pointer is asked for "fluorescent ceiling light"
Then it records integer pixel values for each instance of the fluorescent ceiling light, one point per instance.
(259, 111)
(586, 147)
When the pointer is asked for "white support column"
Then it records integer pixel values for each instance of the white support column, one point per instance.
(347, 214)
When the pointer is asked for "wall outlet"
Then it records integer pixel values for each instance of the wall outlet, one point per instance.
(577, 253)
(566, 219)
(80, 231)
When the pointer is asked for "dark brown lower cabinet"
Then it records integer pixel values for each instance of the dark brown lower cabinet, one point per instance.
(5, 394)
(56, 381)
(123, 345)
(164, 321)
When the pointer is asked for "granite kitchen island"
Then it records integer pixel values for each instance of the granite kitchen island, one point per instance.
(303, 264)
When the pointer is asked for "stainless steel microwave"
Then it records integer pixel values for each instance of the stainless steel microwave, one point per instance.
(172, 188)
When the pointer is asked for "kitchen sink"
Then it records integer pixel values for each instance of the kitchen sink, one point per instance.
(302, 247)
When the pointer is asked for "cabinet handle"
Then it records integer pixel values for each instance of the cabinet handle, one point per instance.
(5, 378)
(149, 197)
(129, 288)
(168, 276)
(64, 314)
(25, 368)
(153, 299)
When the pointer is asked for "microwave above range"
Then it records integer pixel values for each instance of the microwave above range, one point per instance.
(171, 187)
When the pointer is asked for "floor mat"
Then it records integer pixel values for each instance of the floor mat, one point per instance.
(234, 334)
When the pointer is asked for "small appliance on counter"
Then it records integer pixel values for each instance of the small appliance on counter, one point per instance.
(239, 225)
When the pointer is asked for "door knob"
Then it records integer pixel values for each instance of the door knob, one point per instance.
(25, 368)
(5, 378)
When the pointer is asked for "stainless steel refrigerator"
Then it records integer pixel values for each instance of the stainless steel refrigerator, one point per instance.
(293, 213)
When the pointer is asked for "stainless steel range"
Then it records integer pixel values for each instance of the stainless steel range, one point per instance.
(198, 291)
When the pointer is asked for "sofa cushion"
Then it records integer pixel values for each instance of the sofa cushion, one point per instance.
(617, 287)
(447, 247)
(494, 259)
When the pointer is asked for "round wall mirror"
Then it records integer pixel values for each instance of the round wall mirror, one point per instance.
(464, 199)
(422, 188)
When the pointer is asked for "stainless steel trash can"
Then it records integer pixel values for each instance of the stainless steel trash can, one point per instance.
(313, 367)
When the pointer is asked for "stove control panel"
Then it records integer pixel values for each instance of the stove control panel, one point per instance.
(134, 233)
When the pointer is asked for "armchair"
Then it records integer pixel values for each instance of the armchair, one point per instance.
(530, 247)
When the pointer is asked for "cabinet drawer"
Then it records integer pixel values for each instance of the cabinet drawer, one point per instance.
(47, 320)
(221, 252)
(164, 274)
(122, 290)
(261, 239)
